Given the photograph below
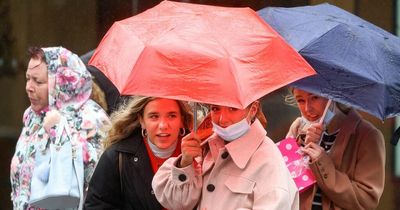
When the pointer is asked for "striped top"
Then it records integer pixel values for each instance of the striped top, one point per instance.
(327, 142)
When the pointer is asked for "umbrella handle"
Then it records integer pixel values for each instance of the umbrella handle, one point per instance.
(321, 120)
(198, 159)
(195, 117)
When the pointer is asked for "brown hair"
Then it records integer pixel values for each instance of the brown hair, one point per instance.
(126, 118)
(36, 53)
(98, 96)
(261, 117)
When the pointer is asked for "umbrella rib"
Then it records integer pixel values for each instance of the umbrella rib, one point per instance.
(228, 57)
(319, 37)
(192, 67)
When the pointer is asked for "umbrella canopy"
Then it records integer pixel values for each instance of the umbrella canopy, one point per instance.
(358, 63)
(192, 52)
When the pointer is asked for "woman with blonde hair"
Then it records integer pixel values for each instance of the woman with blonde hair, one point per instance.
(145, 132)
(347, 154)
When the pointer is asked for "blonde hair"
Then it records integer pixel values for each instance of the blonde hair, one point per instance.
(126, 118)
(291, 100)
(289, 97)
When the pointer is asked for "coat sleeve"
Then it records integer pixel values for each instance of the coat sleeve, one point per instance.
(295, 129)
(365, 188)
(104, 190)
(177, 188)
(94, 124)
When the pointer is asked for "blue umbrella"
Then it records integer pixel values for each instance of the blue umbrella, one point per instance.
(358, 63)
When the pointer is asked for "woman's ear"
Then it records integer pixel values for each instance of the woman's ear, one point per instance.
(254, 108)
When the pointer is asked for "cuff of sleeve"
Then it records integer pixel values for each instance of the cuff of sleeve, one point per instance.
(320, 167)
(182, 175)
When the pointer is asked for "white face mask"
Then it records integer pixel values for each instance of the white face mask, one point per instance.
(328, 117)
(233, 131)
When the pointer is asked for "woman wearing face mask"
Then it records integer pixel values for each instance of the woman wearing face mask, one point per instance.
(145, 133)
(348, 161)
(241, 168)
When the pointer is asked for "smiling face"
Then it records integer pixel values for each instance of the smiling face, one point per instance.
(311, 106)
(36, 84)
(162, 120)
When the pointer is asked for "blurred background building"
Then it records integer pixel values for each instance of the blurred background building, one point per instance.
(79, 26)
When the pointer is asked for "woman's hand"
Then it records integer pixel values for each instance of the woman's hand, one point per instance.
(313, 133)
(190, 148)
(313, 150)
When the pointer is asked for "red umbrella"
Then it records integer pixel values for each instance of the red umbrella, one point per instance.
(217, 55)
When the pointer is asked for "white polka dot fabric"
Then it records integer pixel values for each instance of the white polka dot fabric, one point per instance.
(296, 163)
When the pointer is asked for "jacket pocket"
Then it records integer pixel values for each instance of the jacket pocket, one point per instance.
(240, 185)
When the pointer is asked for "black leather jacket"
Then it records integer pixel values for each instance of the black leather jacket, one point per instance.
(105, 191)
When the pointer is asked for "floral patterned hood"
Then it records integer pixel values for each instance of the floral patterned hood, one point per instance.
(70, 83)
(70, 86)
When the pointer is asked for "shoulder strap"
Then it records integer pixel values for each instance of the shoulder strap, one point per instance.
(120, 169)
(395, 137)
